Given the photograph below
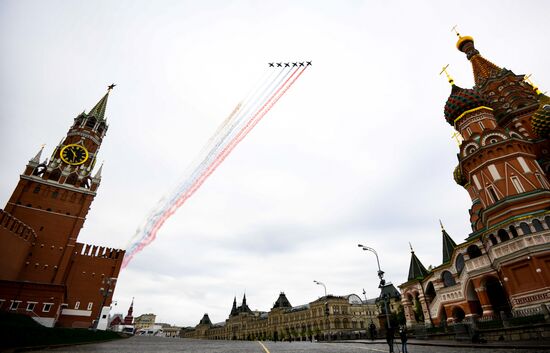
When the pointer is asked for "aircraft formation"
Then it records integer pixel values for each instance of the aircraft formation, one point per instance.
(303, 63)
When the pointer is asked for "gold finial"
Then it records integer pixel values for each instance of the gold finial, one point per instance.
(110, 87)
(42, 146)
(410, 246)
(529, 81)
(458, 137)
(441, 224)
(455, 30)
(449, 78)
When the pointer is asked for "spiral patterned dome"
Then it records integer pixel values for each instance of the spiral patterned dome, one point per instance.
(459, 178)
(541, 121)
(461, 100)
(541, 118)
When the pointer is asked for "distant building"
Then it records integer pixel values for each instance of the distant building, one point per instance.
(502, 268)
(144, 321)
(44, 271)
(329, 317)
(172, 331)
(129, 318)
(116, 320)
(125, 325)
(389, 302)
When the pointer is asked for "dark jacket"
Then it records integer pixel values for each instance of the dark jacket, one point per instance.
(390, 333)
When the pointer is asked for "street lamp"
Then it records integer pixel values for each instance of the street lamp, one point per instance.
(384, 296)
(321, 284)
(380, 272)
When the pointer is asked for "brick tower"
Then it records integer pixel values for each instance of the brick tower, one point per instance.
(39, 228)
(503, 267)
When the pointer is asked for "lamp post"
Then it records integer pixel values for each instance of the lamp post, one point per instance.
(326, 308)
(321, 284)
(105, 292)
(383, 296)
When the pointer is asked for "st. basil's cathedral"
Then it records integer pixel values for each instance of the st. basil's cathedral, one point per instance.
(502, 269)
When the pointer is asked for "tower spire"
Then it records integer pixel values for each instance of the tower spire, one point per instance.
(98, 111)
(527, 79)
(482, 68)
(448, 244)
(36, 158)
(98, 175)
(416, 269)
(449, 78)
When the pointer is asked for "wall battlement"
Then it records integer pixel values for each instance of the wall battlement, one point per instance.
(98, 251)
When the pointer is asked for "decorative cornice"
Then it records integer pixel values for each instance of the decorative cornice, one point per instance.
(471, 111)
(83, 134)
(57, 185)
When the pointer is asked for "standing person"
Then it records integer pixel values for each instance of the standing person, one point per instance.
(403, 336)
(372, 330)
(390, 333)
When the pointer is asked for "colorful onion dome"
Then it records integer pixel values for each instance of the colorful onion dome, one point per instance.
(540, 120)
(461, 100)
(459, 177)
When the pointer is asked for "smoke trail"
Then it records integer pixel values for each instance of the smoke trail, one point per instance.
(229, 134)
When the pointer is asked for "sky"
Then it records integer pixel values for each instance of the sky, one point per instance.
(357, 151)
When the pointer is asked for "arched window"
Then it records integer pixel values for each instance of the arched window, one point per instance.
(448, 279)
(91, 122)
(493, 239)
(538, 226)
(460, 263)
(430, 292)
(473, 251)
(503, 235)
(458, 314)
(101, 128)
(513, 231)
(55, 175)
(71, 179)
(525, 228)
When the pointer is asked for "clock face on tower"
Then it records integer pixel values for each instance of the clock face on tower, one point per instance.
(74, 154)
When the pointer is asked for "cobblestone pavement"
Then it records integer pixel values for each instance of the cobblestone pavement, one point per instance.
(162, 345)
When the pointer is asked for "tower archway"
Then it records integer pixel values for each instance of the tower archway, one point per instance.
(497, 295)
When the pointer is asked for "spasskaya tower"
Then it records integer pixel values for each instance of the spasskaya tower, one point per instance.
(59, 279)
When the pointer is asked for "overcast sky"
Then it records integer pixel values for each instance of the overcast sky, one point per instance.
(357, 151)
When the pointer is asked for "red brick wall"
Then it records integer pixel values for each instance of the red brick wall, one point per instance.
(16, 238)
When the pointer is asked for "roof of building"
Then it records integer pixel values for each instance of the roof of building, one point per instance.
(282, 302)
(205, 320)
(448, 246)
(416, 269)
(390, 291)
(298, 308)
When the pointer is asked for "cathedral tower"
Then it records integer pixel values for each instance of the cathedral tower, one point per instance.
(504, 163)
